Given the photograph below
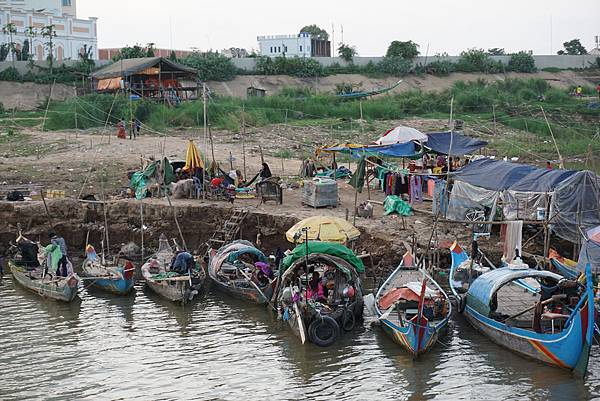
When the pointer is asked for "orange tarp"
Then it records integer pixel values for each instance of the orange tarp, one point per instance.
(110, 83)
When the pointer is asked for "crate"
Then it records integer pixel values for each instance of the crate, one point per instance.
(320, 192)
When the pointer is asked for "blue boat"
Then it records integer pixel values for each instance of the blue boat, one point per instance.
(553, 324)
(412, 314)
(116, 277)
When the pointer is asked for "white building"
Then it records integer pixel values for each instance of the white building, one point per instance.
(300, 45)
(72, 34)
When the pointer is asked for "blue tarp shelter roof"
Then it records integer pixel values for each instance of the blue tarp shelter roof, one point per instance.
(395, 150)
(439, 142)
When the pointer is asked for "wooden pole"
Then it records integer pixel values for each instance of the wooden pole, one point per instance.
(560, 158)
(48, 105)
(244, 139)
(212, 146)
(142, 225)
(104, 209)
(176, 222)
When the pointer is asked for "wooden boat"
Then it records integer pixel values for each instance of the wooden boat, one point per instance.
(29, 272)
(320, 307)
(553, 324)
(168, 284)
(233, 270)
(411, 313)
(116, 277)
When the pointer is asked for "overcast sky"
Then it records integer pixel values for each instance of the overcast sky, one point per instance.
(446, 26)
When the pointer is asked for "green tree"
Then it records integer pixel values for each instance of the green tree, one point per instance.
(49, 32)
(150, 50)
(31, 33)
(521, 62)
(406, 50)
(211, 66)
(173, 56)
(347, 52)
(573, 47)
(135, 51)
(86, 61)
(496, 51)
(10, 29)
(315, 32)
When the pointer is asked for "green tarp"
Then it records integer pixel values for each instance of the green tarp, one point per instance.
(139, 179)
(393, 204)
(358, 178)
(328, 248)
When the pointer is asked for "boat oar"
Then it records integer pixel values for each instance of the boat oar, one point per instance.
(257, 287)
(553, 299)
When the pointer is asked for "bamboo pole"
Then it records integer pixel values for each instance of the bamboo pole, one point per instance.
(176, 221)
(560, 158)
(244, 139)
(142, 225)
(48, 105)
(105, 211)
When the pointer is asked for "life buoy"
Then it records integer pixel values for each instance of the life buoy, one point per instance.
(323, 331)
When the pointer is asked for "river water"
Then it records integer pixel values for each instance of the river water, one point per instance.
(141, 347)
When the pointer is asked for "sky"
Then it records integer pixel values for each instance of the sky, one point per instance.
(437, 26)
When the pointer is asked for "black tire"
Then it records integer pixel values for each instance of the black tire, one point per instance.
(348, 320)
(462, 302)
(323, 331)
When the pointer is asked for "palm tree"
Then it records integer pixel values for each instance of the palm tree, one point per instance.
(10, 29)
(50, 33)
(31, 33)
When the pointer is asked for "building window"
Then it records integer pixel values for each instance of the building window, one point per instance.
(271, 49)
(285, 49)
(300, 48)
(66, 3)
(278, 49)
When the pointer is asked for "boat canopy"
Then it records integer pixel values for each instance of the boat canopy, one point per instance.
(327, 248)
(234, 255)
(485, 286)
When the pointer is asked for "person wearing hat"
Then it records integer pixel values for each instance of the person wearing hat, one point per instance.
(62, 263)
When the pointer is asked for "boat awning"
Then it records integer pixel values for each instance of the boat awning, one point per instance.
(395, 150)
(485, 286)
(327, 248)
(439, 142)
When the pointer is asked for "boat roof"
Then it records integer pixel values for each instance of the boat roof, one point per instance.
(486, 285)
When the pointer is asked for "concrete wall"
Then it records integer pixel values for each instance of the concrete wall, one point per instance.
(23, 66)
(563, 62)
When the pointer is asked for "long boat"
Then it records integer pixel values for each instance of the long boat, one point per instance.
(168, 284)
(411, 313)
(553, 324)
(115, 277)
(27, 270)
(234, 269)
(324, 304)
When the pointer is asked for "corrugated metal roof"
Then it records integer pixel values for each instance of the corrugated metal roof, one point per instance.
(132, 66)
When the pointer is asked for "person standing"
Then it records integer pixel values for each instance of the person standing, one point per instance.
(121, 129)
(132, 129)
(578, 91)
(62, 268)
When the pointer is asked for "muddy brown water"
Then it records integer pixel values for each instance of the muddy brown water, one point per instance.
(141, 347)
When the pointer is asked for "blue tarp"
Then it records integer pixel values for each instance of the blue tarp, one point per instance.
(395, 150)
(439, 142)
(495, 175)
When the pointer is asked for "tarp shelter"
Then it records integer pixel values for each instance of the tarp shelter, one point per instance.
(590, 251)
(439, 142)
(147, 77)
(396, 150)
(326, 248)
(193, 161)
(526, 191)
(401, 134)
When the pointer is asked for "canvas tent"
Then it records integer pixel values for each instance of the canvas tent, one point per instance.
(156, 77)
(527, 192)
(401, 134)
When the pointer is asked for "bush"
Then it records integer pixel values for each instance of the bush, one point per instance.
(406, 50)
(440, 67)
(396, 66)
(10, 74)
(2, 110)
(296, 66)
(522, 62)
(211, 66)
(554, 95)
(477, 60)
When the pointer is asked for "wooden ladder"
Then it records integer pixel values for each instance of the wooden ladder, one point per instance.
(229, 231)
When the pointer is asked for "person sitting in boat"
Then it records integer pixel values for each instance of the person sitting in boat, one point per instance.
(183, 263)
(315, 289)
(62, 268)
(264, 274)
